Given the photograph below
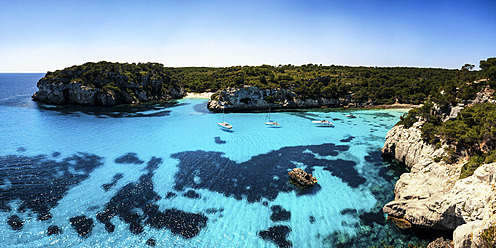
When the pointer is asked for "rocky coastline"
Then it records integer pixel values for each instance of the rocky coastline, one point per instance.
(432, 196)
(251, 98)
(54, 92)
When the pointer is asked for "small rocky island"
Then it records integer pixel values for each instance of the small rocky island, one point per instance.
(302, 178)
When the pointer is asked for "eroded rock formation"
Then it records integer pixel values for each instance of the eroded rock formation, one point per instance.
(431, 195)
(302, 178)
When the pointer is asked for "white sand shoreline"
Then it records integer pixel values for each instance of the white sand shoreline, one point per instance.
(199, 95)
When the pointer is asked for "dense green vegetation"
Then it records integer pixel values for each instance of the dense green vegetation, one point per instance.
(381, 85)
(378, 85)
(154, 78)
(472, 133)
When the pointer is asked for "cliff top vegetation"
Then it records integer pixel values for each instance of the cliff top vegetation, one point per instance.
(472, 133)
(379, 85)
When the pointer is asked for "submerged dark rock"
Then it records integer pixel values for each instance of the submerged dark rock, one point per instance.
(151, 242)
(219, 141)
(82, 225)
(279, 214)
(311, 219)
(53, 230)
(263, 176)
(170, 195)
(129, 158)
(116, 178)
(192, 194)
(39, 182)
(278, 235)
(135, 205)
(15, 222)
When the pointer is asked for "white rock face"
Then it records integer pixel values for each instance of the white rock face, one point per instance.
(407, 146)
(432, 196)
(252, 98)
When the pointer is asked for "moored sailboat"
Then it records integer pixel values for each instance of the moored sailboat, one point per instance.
(270, 122)
(224, 124)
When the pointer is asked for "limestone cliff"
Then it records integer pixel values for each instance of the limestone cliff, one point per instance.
(108, 84)
(431, 195)
(253, 98)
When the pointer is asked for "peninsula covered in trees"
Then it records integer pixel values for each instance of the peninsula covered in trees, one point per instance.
(108, 84)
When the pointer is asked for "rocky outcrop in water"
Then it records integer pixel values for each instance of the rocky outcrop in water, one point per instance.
(252, 98)
(431, 195)
(302, 178)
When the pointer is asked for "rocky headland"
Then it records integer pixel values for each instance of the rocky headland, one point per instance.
(432, 195)
(108, 84)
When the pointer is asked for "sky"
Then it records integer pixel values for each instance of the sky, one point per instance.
(41, 36)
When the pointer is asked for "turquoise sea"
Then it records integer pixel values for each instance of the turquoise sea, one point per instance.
(167, 175)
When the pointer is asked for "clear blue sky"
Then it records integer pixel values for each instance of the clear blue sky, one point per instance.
(49, 35)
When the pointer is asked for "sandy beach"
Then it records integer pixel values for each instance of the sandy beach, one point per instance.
(199, 95)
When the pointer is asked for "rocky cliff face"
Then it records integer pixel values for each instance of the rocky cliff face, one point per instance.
(54, 92)
(252, 98)
(432, 196)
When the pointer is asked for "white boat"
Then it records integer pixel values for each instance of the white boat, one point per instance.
(270, 122)
(224, 124)
(351, 115)
(323, 123)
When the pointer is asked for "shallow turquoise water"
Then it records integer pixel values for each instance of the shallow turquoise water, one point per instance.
(169, 174)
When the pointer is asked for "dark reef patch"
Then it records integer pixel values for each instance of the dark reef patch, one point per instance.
(279, 214)
(369, 218)
(345, 169)
(214, 210)
(15, 222)
(192, 194)
(151, 242)
(278, 235)
(135, 205)
(219, 141)
(153, 164)
(39, 183)
(21, 149)
(53, 230)
(170, 195)
(264, 175)
(179, 222)
(116, 178)
(129, 158)
(350, 211)
(82, 225)
(55, 154)
(348, 139)
(311, 219)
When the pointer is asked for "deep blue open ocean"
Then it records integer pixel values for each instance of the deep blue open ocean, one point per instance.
(167, 175)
